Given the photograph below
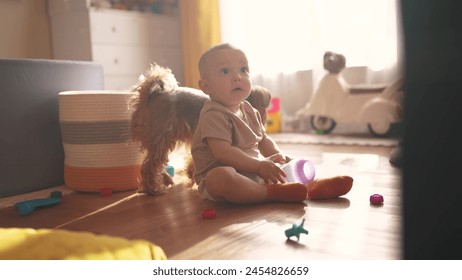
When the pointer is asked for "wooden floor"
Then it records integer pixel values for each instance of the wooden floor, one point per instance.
(345, 228)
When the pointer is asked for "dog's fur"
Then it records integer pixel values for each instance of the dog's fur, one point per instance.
(260, 99)
(163, 116)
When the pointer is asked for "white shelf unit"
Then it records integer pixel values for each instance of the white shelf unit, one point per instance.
(124, 42)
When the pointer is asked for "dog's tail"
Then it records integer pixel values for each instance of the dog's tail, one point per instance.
(157, 80)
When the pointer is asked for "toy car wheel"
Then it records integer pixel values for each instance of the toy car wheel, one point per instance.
(379, 129)
(322, 123)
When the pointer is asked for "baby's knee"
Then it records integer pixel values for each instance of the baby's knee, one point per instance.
(220, 176)
(219, 181)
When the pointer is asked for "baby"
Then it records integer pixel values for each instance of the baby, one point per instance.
(235, 160)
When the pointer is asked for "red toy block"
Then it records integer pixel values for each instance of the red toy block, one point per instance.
(209, 213)
(105, 192)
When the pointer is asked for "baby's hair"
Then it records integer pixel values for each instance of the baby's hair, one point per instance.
(206, 54)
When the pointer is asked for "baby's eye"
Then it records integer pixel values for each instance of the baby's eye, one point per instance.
(224, 71)
(245, 69)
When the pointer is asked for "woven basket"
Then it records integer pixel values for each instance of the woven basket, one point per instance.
(95, 129)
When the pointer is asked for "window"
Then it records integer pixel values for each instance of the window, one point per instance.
(292, 35)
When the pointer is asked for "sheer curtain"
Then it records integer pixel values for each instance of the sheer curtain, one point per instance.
(286, 40)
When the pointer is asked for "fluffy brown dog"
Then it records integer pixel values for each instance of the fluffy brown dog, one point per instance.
(260, 99)
(165, 115)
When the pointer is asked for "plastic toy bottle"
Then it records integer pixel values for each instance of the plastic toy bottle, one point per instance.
(299, 170)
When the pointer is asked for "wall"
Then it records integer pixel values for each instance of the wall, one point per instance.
(24, 29)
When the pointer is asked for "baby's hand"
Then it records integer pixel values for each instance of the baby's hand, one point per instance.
(279, 158)
(271, 172)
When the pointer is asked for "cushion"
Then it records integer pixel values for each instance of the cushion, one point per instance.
(31, 149)
(58, 244)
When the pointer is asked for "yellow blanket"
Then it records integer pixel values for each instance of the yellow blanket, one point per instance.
(54, 244)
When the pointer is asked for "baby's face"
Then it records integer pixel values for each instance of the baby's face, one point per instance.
(227, 78)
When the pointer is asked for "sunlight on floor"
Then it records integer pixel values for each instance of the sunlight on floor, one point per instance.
(364, 162)
(333, 164)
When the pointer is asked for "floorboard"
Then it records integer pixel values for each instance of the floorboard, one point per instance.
(345, 228)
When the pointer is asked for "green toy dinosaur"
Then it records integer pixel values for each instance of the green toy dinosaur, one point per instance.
(296, 230)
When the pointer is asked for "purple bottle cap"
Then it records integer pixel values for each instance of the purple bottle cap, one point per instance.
(376, 199)
(300, 171)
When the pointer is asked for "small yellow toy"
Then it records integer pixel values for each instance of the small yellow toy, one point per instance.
(273, 121)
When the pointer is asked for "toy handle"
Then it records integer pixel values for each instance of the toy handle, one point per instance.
(28, 206)
(300, 171)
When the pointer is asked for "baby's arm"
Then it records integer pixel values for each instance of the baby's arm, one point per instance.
(230, 155)
(269, 149)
